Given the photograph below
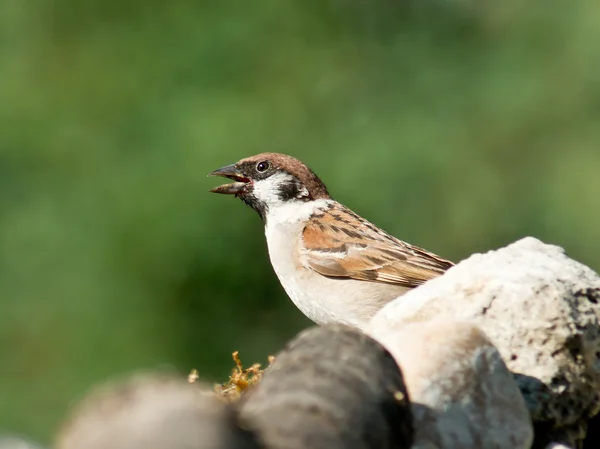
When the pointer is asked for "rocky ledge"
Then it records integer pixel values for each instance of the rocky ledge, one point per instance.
(540, 309)
(502, 351)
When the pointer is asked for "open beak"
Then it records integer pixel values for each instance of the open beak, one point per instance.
(231, 172)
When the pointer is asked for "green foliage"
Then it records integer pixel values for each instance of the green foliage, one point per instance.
(459, 126)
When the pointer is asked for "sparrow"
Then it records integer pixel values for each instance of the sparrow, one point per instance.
(334, 265)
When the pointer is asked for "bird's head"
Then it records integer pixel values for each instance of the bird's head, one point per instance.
(267, 181)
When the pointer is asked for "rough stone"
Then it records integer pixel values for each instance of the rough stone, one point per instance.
(332, 387)
(541, 310)
(461, 392)
(153, 411)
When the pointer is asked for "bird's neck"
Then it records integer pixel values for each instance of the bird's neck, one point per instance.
(293, 212)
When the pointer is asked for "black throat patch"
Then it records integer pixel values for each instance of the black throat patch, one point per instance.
(261, 208)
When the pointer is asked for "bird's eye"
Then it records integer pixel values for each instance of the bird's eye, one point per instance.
(262, 166)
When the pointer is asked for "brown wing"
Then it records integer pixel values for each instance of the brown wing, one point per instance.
(333, 248)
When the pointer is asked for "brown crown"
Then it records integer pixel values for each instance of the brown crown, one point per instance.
(294, 167)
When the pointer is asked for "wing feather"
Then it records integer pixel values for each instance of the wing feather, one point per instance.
(333, 247)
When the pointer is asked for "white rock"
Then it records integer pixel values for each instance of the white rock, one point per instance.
(461, 392)
(540, 309)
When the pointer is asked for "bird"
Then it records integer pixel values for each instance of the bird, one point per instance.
(334, 265)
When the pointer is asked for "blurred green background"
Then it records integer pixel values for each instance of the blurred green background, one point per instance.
(459, 126)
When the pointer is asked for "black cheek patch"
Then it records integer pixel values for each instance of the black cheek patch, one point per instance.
(291, 190)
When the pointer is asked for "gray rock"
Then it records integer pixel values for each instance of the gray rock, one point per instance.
(153, 411)
(332, 387)
(461, 392)
(541, 310)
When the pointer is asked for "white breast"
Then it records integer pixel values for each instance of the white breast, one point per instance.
(321, 299)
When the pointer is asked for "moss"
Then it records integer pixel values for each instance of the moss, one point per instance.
(241, 378)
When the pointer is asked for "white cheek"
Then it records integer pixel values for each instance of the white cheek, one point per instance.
(265, 190)
(279, 211)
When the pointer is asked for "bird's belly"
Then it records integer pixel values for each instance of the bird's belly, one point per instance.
(347, 301)
(322, 299)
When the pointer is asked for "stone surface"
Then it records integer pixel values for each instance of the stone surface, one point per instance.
(461, 392)
(153, 411)
(541, 310)
(332, 387)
